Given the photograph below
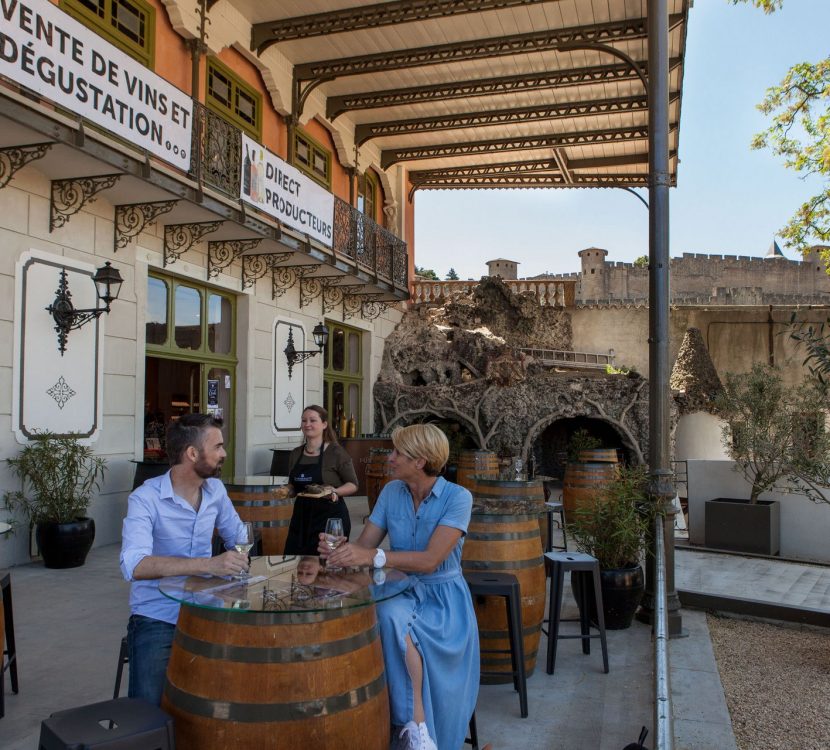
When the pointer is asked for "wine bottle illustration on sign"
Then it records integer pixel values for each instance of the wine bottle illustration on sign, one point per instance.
(246, 173)
(260, 177)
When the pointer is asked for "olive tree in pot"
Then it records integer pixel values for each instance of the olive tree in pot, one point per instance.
(60, 475)
(775, 435)
(613, 529)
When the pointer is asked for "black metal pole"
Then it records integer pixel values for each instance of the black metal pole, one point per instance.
(661, 475)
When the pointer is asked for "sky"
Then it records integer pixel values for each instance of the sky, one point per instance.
(729, 199)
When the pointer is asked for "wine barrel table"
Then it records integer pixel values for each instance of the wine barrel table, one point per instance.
(503, 537)
(585, 480)
(378, 473)
(273, 663)
(473, 463)
(260, 500)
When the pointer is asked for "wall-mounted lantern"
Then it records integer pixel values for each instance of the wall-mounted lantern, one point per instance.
(321, 337)
(107, 286)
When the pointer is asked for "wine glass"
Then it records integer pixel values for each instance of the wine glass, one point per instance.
(334, 537)
(244, 542)
(518, 468)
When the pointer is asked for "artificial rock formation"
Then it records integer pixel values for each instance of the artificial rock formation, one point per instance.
(462, 363)
(694, 376)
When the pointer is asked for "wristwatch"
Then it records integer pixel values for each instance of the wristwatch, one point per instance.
(379, 559)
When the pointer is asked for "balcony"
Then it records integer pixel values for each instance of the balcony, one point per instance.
(217, 163)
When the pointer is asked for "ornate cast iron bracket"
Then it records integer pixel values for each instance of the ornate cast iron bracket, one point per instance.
(222, 253)
(352, 303)
(179, 238)
(312, 287)
(373, 309)
(256, 266)
(284, 277)
(333, 295)
(131, 219)
(70, 196)
(14, 158)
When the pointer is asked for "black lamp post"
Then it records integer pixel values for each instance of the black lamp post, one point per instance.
(321, 337)
(107, 281)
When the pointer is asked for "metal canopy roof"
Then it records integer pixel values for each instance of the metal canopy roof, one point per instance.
(483, 93)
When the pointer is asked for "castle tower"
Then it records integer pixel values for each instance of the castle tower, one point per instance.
(774, 251)
(507, 269)
(593, 282)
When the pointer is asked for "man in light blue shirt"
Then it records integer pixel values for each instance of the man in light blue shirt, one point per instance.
(168, 532)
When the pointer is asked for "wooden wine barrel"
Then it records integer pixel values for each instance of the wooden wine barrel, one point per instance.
(378, 473)
(503, 537)
(472, 463)
(583, 481)
(269, 515)
(239, 680)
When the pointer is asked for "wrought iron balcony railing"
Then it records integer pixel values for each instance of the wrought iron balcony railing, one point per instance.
(217, 161)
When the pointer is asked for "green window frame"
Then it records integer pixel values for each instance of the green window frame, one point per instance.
(228, 95)
(312, 158)
(207, 334)
(343, 374)
(129, 24)
(369, 194)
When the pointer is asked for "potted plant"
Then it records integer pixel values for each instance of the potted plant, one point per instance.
(61, 474)
(774, 434)
(612, 528)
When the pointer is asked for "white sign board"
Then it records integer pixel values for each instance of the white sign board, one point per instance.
(49, 52)
(284, 192)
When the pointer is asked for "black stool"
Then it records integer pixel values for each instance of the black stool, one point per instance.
(473, 738)
(8, 651)
(583, 564)
(123, 658)
(551, 507)
(507, 586)
(124, 723)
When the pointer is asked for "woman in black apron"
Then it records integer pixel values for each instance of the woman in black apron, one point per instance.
(322, 461)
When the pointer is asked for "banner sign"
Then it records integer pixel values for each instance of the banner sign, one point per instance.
(285, 193)
(49, 52)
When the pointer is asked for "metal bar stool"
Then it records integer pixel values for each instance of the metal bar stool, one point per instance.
(123, 658)
(8, 650)
(551, 507)
(122, 724)
(559, 563)
(507, 586)
(473, 738)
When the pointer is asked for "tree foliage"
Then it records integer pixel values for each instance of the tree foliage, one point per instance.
(776, 434)
(426, 273)
(452, 275)
(799, 108)
(641, 262)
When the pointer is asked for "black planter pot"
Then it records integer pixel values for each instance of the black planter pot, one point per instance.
(622, 590)
(738, 525)
(65, 545)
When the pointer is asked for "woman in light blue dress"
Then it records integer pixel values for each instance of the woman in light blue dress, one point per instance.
(429, 634)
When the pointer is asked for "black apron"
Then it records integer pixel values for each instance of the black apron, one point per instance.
(310, 514)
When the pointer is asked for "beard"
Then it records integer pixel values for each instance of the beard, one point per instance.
(205, 470)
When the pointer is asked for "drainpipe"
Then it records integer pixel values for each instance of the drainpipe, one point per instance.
(661, 485)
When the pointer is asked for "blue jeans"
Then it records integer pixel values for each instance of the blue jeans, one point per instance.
(148, 647)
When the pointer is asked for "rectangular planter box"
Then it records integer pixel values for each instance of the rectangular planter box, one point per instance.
(740, 526)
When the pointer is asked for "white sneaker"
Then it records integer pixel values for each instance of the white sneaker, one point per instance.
(417, 737)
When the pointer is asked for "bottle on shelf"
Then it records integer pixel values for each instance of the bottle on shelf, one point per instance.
(344, 425)
(352, 426)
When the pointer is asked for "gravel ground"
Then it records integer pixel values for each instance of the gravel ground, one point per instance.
(777, 683)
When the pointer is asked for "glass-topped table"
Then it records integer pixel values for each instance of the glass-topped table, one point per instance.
(290, 657)
(288, 584)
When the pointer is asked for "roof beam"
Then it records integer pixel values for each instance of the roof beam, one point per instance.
(263, 35)
(555, 179)
(337, 105)
(563, 110)
(521, 143)
(478, 49)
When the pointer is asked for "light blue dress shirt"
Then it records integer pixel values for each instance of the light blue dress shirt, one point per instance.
(160, 523)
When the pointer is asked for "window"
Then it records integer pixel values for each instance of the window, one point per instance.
(128, 24)
(343, 374)
(234, 99)
(367, 196)
(312, 158)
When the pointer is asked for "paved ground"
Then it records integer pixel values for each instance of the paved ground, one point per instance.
(69, 625)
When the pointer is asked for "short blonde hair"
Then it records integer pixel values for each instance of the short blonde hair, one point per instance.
(423, 441)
